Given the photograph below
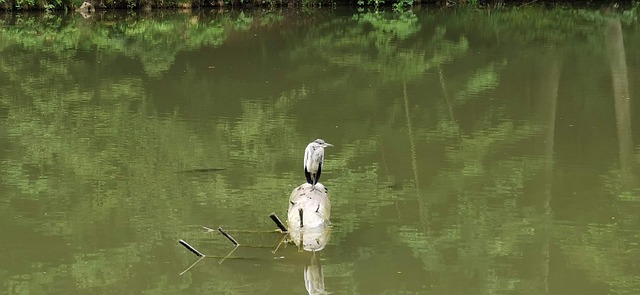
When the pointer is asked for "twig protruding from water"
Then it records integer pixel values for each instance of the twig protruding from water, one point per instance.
(190, 248)
(224, 233)
(278, 222)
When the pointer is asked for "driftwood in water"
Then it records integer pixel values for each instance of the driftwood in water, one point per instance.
(226, 234)
(190, 248)
(309, 206)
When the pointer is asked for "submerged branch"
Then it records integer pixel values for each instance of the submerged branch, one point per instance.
(224, 233)
(278, 222)
(190, 248)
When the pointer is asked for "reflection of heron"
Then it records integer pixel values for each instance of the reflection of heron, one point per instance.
(86, 7)
(313, 157)
(314, 277)
(312, 239)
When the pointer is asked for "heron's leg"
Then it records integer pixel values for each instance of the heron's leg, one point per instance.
(317, 178)
(307, 174)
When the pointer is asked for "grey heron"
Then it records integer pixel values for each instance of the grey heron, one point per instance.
(313, 157)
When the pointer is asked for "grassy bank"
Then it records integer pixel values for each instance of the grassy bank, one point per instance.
(16, 5)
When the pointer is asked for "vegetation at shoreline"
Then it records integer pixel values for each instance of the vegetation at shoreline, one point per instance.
(70, 5)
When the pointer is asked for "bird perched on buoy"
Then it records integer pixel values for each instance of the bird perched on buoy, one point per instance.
(313, 158)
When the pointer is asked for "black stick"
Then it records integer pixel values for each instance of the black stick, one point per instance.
(279, 223)
(190, 248)
(224, 233)
(300, 212)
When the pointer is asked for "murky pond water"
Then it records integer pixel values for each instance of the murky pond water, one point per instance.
(475, 152)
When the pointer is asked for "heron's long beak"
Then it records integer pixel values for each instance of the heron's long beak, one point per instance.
(326, 144)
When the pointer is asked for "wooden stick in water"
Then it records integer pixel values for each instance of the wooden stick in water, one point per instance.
(278, 222)
(191, 248)
(224, 233)
(300, 212)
